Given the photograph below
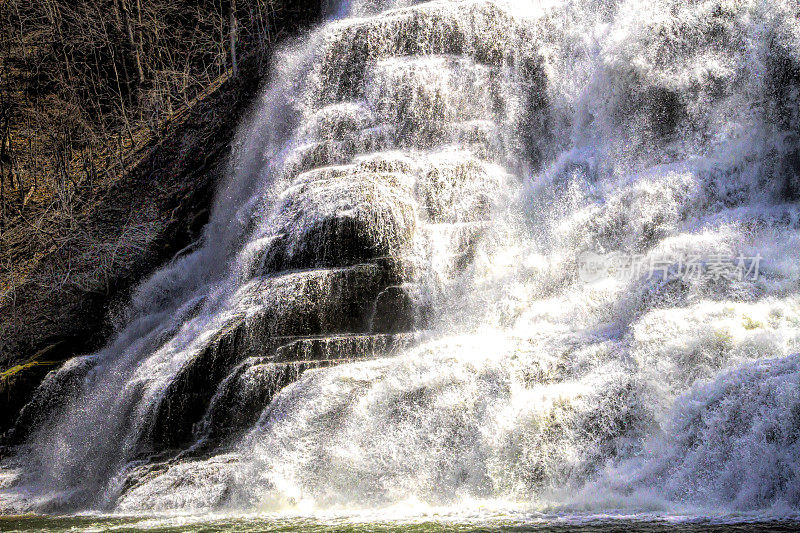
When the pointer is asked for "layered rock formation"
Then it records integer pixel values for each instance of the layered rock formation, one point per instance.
(326, 246)
(336, 261)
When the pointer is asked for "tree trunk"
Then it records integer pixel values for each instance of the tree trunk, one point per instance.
(126, 15)
(234, 37)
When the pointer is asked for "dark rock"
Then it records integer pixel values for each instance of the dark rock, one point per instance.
(342, 221)
(250, 387)
(789, 170)
(314, 302)
(57, 389)
(783, 87)
(243, 396)
(666, 110)
(19, 383)
(394, 311)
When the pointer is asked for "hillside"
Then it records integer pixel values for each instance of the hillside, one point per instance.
(95, 195)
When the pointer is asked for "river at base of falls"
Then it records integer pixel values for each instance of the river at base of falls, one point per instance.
(441, 521)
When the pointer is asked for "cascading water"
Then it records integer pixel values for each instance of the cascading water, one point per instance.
(426, 179)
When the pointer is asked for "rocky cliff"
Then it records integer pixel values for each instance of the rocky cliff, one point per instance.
(66, 305)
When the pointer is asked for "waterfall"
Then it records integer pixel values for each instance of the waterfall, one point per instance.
(535, 252)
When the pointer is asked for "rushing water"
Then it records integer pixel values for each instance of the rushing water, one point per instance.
(489, 151)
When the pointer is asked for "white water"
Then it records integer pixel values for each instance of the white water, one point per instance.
(661, 128)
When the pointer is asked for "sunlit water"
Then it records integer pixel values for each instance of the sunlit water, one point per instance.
(523, 136)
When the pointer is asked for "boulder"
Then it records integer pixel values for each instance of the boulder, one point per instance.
(341, 221)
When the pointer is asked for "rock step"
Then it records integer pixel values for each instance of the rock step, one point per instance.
(342, 347)
(300, 304)
(243, 396)
(481, 136)
(482, 31)
(251, 386)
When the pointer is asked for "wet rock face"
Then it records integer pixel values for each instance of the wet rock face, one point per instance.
(783, 86)
(394, 310)
(343, 220)
(18, 387)
(240, 400)
(250, 387)
(336, 280)
(380, 194)
(59, 387)
(790, 170)
(284, 311)
(391, 173)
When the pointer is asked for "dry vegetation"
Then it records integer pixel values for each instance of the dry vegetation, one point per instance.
(85, 84)
(97, 98)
